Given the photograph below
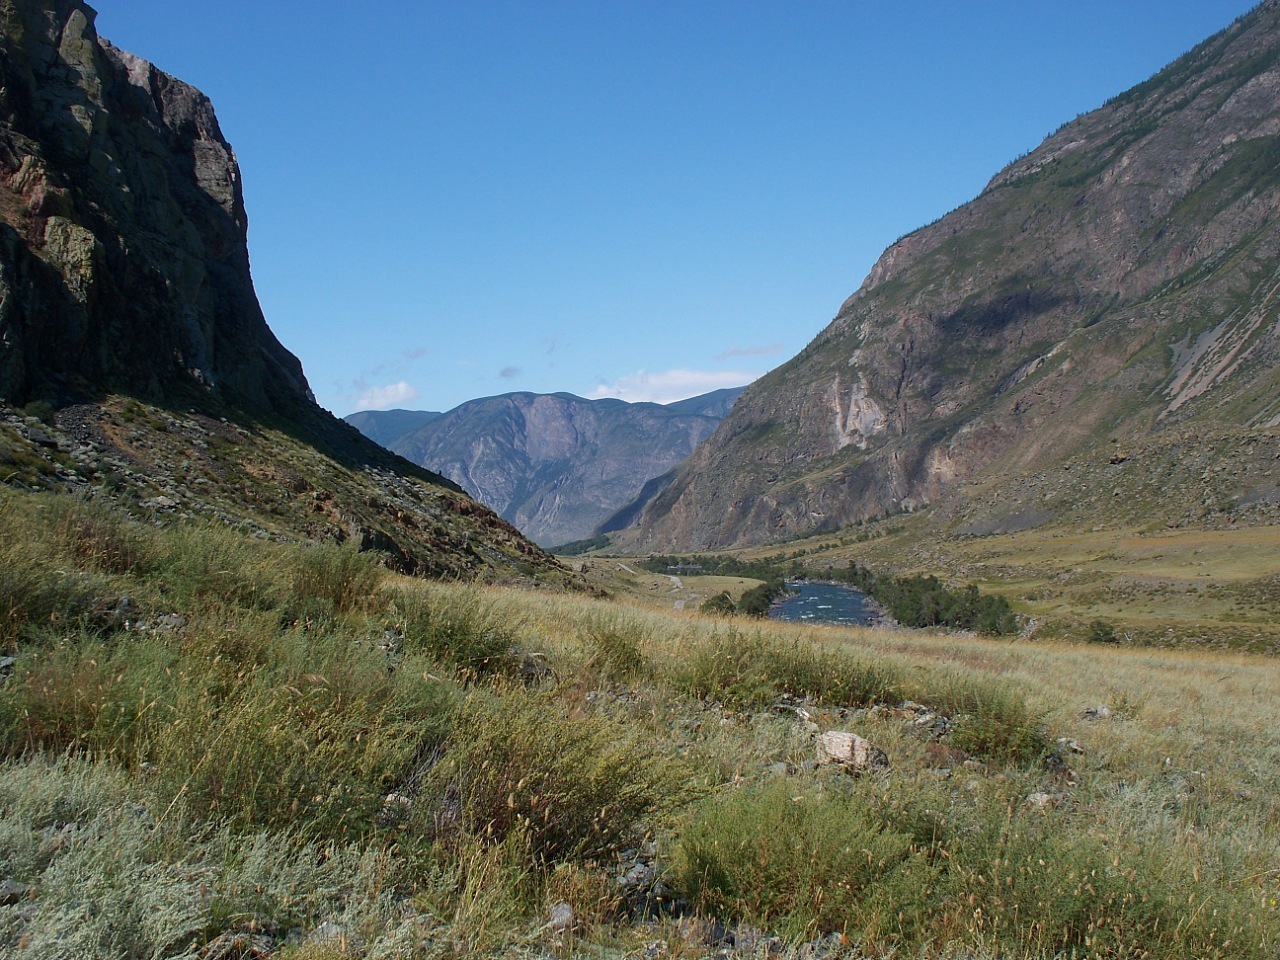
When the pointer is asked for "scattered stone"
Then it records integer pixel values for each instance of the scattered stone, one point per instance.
(1069, 745)
(330, 934)
(851, 751)
(1060, 771)
(1043, 801)
(239, 945)
(6, 667)
(939, 755)
(12, 892)
(41, 439)
(1100, 712)
(534, 668)
(562, 918)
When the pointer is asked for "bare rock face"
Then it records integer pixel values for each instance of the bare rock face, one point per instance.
(1119, 283)
(123, 262)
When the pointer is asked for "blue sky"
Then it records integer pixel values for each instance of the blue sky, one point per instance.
(638, 199)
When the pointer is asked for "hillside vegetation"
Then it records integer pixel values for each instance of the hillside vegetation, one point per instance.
(216, 746)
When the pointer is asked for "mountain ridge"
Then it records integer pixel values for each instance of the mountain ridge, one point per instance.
(556, 465)
(1120, 278)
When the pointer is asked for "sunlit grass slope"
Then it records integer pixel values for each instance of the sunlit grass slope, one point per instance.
(215, 745)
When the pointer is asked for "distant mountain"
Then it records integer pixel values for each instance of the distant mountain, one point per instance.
(1116, 290)
(554, 465)
(385, 427)
(129, 324)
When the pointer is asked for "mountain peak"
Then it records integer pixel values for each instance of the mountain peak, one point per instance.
(1118, 280)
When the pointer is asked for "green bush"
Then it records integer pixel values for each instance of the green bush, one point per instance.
(1101, 631)
(992, 718)
(797, 862)
(721, 605)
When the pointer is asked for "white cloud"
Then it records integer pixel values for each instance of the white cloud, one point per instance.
(671, 385)
(392, 395)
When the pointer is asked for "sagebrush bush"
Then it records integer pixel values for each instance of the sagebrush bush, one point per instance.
(122, 875)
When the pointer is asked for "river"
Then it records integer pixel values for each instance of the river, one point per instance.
(826, 603)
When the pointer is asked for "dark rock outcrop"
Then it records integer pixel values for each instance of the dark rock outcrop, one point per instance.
(123, 262)
(127, 309)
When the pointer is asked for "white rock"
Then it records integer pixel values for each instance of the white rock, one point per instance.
(850, 750)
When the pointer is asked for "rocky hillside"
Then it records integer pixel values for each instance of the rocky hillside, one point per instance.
(555, 465)
(1116, 285)
(135, 363)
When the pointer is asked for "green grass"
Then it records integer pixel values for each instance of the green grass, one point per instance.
(287, 736)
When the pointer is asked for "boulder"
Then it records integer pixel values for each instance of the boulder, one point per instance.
(851, 751)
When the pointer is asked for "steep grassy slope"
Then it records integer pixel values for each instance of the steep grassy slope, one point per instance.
(1118, 283)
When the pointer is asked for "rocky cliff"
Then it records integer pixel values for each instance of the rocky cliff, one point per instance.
(123, 262)
(131, 334)
(1120, 281)
(555, 465)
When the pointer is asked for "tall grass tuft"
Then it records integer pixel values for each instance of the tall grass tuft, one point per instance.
(457, 627)
(574, 785)
(754, 669)
(793, 860)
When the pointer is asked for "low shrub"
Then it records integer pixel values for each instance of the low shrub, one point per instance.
(797, 862)
(992, 718)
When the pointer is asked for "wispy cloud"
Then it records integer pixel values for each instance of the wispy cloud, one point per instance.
(762, 351)
(510, 373)
(669, 386)
(392, 395)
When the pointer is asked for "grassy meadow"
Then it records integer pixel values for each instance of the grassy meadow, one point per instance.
(215, 746)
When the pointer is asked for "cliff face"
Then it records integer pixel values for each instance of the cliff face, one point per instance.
(125, 295)
(123, 262)
(556, 465)
(1121, 280)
